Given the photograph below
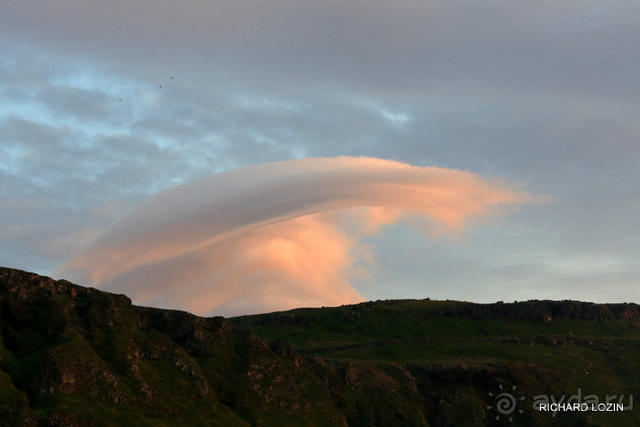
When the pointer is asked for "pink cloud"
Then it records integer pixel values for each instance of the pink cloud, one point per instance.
(275, 236)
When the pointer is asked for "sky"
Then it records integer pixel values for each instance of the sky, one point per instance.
(104, 105)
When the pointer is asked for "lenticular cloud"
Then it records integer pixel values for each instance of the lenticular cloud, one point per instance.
(274, 236)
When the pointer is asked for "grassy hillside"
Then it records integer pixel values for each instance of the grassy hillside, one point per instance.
(541, 347)
(77, 356)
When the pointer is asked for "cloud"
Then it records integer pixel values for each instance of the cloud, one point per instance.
(407, 48)
(277, 235)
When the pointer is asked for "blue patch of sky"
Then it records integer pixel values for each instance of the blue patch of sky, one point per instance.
(10, 158)
(398, 117)
(125, 100)
(273, 105)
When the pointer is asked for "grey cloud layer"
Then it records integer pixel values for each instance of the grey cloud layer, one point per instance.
(389, 49)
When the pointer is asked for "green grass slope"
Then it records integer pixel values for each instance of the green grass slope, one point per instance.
(543, 348)
(77, 356)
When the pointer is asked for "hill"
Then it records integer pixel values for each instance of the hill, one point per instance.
(71, 355)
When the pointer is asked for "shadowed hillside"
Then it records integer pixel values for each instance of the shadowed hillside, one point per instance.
(71, 355)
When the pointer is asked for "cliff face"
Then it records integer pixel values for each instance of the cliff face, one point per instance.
(74, 356)
(71, 355)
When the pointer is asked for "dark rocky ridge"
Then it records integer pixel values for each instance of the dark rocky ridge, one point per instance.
(536, 310)
(77, 356)
(544, 310)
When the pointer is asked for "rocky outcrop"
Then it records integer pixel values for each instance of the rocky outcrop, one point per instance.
(540, 311)
(74, 353)
(544, 311)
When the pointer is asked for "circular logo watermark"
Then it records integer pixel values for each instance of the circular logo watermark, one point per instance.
(506, 403)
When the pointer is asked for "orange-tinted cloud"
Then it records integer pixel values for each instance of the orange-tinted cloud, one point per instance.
(274, 236)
